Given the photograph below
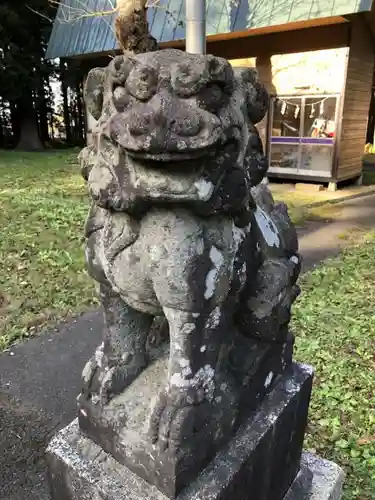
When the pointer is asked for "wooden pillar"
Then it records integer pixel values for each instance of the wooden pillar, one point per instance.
(357, 98)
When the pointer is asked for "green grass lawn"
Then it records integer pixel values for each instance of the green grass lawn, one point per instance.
(42, 211)
(334, 321)
(42, 278)
(368, 177)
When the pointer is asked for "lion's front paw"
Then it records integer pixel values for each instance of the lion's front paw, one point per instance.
(118, 378)
(102, 380)
(176, 417)
(91, 373)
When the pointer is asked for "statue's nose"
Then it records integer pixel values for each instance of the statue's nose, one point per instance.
(186, 123)
(142, 122)
(164, 114)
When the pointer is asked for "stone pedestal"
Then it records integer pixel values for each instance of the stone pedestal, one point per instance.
(261, 462)
(121, 428)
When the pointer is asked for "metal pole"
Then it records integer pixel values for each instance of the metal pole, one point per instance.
(196, 26)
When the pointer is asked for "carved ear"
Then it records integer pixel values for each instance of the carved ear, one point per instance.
(94, 90)
(119, 69)
(256, 95)
(255, 162)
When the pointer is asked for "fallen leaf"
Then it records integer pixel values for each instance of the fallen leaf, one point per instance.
(366, 440)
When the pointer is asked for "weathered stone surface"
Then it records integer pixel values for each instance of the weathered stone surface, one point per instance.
(260, 462)
(121, 428)
(302, 484)
(328, 478)
(182, 227)
(318, 479)
(81, 471)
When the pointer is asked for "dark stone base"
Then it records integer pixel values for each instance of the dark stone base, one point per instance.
(262, 461)
(121, 427)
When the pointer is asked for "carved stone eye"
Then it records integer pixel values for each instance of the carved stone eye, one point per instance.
(120, 98)
(142, 82)
(212, 97)
(221, 72)
(120, 68)
(188, 79)
(118, 62)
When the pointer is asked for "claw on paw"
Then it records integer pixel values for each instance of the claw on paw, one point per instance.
(101, 382)
(174, 420)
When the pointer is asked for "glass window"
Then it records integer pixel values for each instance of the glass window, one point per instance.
(319, 119)
(303, 133)
(285, 155)
(287, 117)
(316, 157)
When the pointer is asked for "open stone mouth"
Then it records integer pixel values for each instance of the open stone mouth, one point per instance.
(182, 160)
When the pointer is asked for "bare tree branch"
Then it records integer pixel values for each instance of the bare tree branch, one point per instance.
(69, 14)
(39, 14)
(265, 12)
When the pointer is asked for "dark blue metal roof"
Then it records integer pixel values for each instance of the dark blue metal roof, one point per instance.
(79, 30)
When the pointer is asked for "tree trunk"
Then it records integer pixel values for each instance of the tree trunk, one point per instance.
(51, 125)
(132, 29)
(73, 122)
(64, 91)
(2, 123)
(81, 120)
(29, 138)
(15, 122)
(43, 115)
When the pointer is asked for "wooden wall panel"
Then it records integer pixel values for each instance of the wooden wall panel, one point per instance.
(357, 96)
(287, 42)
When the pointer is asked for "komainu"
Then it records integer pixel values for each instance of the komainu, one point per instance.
(183, 226)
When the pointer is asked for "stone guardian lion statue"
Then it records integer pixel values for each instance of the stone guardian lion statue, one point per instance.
(182, 225)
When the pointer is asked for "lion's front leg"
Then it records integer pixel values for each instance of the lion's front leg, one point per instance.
(122, 355)
(183, 407)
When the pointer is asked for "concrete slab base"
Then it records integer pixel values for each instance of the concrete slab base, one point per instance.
(81, 470)
(318, 479)
(309, 188)
(328, 478)
(332, 186)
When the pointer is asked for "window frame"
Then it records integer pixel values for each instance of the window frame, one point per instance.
(301, 139)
